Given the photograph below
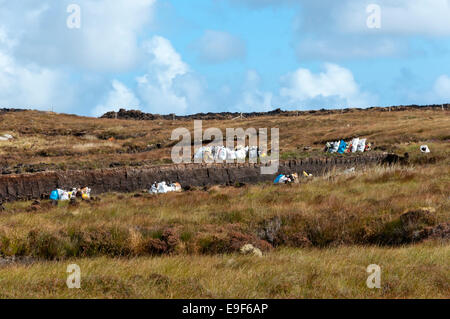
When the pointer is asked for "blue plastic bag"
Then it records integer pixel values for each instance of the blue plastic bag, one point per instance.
(277, 180)
(342, 147)
(54, 195)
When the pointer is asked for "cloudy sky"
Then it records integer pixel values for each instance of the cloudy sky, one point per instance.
(180, 56)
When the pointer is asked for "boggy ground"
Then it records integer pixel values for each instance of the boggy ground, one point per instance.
(379, 206)
(49, 141)
(317, 239)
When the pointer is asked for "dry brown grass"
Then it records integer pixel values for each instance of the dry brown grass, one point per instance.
(318, 237)
(43, 137)
(337, 209)
(419, 271)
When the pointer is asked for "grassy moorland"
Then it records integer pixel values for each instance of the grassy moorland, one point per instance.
(419, 271)
(317, 239)
(57, 141)
(357, 209)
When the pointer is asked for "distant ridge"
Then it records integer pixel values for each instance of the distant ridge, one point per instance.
(6, 110)
(139, 115)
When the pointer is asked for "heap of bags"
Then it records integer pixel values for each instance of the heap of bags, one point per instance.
(286, 179)
(62, 195)
(341, 147)
(163, 187)
(220, 153)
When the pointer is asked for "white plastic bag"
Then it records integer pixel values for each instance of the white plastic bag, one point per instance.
(222, 154)
(241, 153)
(362, 145)
(208, 155)
(199, 154)
(425, 149)
(64, 196)
(355, 143)
(153, 189)
(162, 188)
(231, 154)
(253, 152)
(334, 147)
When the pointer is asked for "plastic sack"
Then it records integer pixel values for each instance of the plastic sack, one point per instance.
(334, 147)
(222, 154)
(199, 154)
(54, 195)
(177, 187)
(231, 154)
(208, 155)
(425, 149)
(153, 189)
(362, 145)
(355, 143)
(253, 152)
(280, 179)
(64, 196)
(162, 188)
(342, 147)
(241, 153)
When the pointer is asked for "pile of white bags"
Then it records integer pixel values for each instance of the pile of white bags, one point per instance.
(356, 145)
(163, 188)
(220, 153)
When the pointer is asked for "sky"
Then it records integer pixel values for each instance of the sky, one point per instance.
(88, 57)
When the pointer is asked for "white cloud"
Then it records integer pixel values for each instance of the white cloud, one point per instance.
(402, 17)
(165, 62)
(119, 97)
(336, 84)
(441, 88)
(437, 93)
(338, 30)
(156, 86)
(219, 46)
(106, 41)
(30, 85)
(252, 98)
(338, 48)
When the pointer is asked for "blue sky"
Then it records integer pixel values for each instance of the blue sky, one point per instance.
(180, 56)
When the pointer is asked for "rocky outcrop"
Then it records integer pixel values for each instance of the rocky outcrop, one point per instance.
(39, 185)
(139, 115)
(6, 110)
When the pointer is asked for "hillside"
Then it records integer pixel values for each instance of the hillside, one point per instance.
(49, 141)
(316, 238)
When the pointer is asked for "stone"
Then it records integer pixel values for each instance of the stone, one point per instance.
(249, 249)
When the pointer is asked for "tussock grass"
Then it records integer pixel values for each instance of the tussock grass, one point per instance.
(42, 137)
(419, 271)
(337, 209)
